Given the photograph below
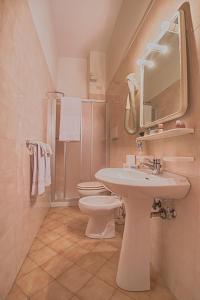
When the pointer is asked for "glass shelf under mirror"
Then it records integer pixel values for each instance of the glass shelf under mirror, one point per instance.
(166, 134)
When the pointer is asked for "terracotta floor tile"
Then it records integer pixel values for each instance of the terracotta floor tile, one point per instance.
(74, 253)
(57, 210)
(52, 216)
(56, 265)
(65, 219)
(61, 244)
(105, 249)
(115, 258)
(116, 242)
(16, 294)
(137, 295)
(96, 289)
(52, 225)
(161, 292)
(48, 237)
(42, 255)
(91, 262)
(34, 281)
(78, 225)
(88, 244)
(36, 245)
(61, 230)
(42, 230)
(27, 267)
(119, 296)
(70, 211)
(74, 279)
(54, 291)
(72, 235)
(108, 273)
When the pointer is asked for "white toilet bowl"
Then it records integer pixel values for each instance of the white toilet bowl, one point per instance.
(91, 188)
(101, 211)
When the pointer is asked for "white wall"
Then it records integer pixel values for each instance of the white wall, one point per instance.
(42, 18)
(97, 68)
(72, 77)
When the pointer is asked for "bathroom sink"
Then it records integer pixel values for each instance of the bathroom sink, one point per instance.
(139, 188)
(123, 181)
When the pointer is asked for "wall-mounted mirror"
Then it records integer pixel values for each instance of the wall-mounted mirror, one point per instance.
(163, 72)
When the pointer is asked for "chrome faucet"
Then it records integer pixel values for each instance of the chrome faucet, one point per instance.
(154, 165)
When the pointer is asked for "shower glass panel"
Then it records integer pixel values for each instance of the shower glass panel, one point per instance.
(86, 142)
(78, 161)
(98, 145)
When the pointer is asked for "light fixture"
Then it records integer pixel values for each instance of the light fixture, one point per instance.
(157, 47)
(145, 62)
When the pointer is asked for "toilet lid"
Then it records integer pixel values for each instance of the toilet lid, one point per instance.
(90, 185)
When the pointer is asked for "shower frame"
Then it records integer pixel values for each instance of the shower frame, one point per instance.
(54, 102)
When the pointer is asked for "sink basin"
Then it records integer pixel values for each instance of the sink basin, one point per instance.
(124, 181)
(139, 187)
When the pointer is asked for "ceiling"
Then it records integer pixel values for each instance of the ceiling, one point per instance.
(83, 25)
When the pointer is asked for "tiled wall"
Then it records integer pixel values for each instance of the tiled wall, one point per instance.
(24, 81)
(175, 244)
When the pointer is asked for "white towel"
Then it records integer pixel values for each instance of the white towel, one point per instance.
(34, 169)
(41, 169)
(47, 162)
(70, 119)
(38, 170)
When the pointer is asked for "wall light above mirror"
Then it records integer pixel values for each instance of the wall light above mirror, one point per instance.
(163, 75)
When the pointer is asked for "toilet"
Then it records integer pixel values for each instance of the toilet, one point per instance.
(91, 188)
(101, 210)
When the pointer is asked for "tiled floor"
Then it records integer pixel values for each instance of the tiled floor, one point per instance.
(63, 264)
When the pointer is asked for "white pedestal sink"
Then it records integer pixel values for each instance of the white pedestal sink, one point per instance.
(139, 189)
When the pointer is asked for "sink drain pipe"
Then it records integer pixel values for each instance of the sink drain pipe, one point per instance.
(163, 211)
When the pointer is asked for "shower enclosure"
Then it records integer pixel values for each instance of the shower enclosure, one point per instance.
(75, 162)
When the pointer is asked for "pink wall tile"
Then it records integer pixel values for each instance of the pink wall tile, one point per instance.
(25, 80)
(175, 244)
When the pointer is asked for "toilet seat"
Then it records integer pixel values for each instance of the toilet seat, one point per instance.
(91, 188)
(90, 185)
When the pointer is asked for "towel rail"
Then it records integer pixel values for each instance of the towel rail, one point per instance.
(29, 142)
(34, 142)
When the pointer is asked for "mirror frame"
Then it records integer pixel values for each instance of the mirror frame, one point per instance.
(183, 76)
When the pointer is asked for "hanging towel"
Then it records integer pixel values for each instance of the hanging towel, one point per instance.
(34, 168)
(46, 149)
(70, 119)
(41, 167)
(38, 170)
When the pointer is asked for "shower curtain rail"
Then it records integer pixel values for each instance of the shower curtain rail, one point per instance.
(82, 100)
